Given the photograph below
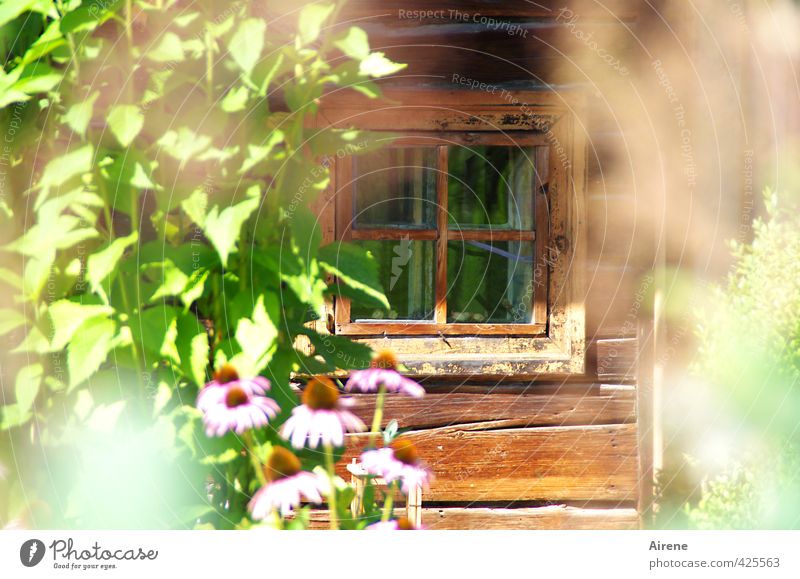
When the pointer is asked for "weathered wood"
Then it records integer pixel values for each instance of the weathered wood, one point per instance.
(554, 517)
(617, 359)
(564, 463)
(390, 9)
(602, 404)
(413, 328)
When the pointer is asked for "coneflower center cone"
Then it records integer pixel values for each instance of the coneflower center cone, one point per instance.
(385, 359)
(321, 394)
(405, 451)
(236, 396)
(226, 373)
(282, 463)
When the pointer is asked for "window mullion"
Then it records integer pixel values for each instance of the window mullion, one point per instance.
(440, 313)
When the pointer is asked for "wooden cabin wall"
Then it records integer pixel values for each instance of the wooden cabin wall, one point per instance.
(557, 452)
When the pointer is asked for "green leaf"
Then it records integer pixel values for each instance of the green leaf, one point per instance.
(170, 49)
(9, 10)
(310, 21)
(36, 78)
(10, 320)
(258, 153)
(155, 329)
(377, 65)
(235, 100)
(173, 280)
(256, 335)
(339, 351)
(12, 415)
(184, 143)
(196, 206)
(85, 354)
(67, 316)
(79, 115)
(247, 43)
(355, 267)
(29, 379)
(195, 287)
(193, 348)
(63, 168)
(223, 228)
(354, 44)
(100, 265)
(125, 122)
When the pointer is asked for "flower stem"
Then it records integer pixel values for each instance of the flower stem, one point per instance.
(249, 445)
(378, 417)
(332, 495)
(388, 504)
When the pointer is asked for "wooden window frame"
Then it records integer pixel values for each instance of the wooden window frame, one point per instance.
(554, 341)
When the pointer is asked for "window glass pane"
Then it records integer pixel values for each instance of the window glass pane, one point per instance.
(406, 270)
(489, 282)
(491, 187)
(395, 187)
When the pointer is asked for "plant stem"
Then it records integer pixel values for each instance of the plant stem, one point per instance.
(332, 495)
(377, 417)
(388, 504)
(249, 445)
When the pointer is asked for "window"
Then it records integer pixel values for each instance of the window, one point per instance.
(473, 214)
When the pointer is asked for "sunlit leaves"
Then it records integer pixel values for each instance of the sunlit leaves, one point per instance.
(29, 379)
(67, 316)
(79, 114)
(183, 144)
(247, 43)
(256, 335)
(310, 21)
(356, 270)
(125, 122)
(222, 228)
(86, 355)
(354, 44)
(377, 65)
(101, 264)
(10, 320)
(63, 168)
(168, 49)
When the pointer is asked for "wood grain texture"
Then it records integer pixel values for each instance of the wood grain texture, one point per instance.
(617, 359)
(389, 9)
(554, 517)
(600, 404)
(589, 463)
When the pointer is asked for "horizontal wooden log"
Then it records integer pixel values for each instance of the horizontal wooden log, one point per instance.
(390, 9)
(617, 359)
(555, 517)
(569, 463)
(601, 404)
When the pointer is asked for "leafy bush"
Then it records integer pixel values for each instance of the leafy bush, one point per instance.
(749, 364)
(157, 175)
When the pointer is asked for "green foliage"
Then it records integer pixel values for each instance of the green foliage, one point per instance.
(748, 364)
(163, 228)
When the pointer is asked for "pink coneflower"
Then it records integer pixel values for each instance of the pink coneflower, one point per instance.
(383, 372)
(398, 461)
(287, 485)
(322, 417)
(401, 524)
(232, 403)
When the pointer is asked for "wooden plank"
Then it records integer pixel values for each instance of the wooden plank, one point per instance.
(600, 404)
(552, 517)
(556, 517)
(390, 9)
(570, 463)
(617, 359)
(412, 328)
(393, 233)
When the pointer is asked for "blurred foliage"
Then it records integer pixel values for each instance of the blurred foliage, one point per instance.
(748, 336)
(157, 169)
